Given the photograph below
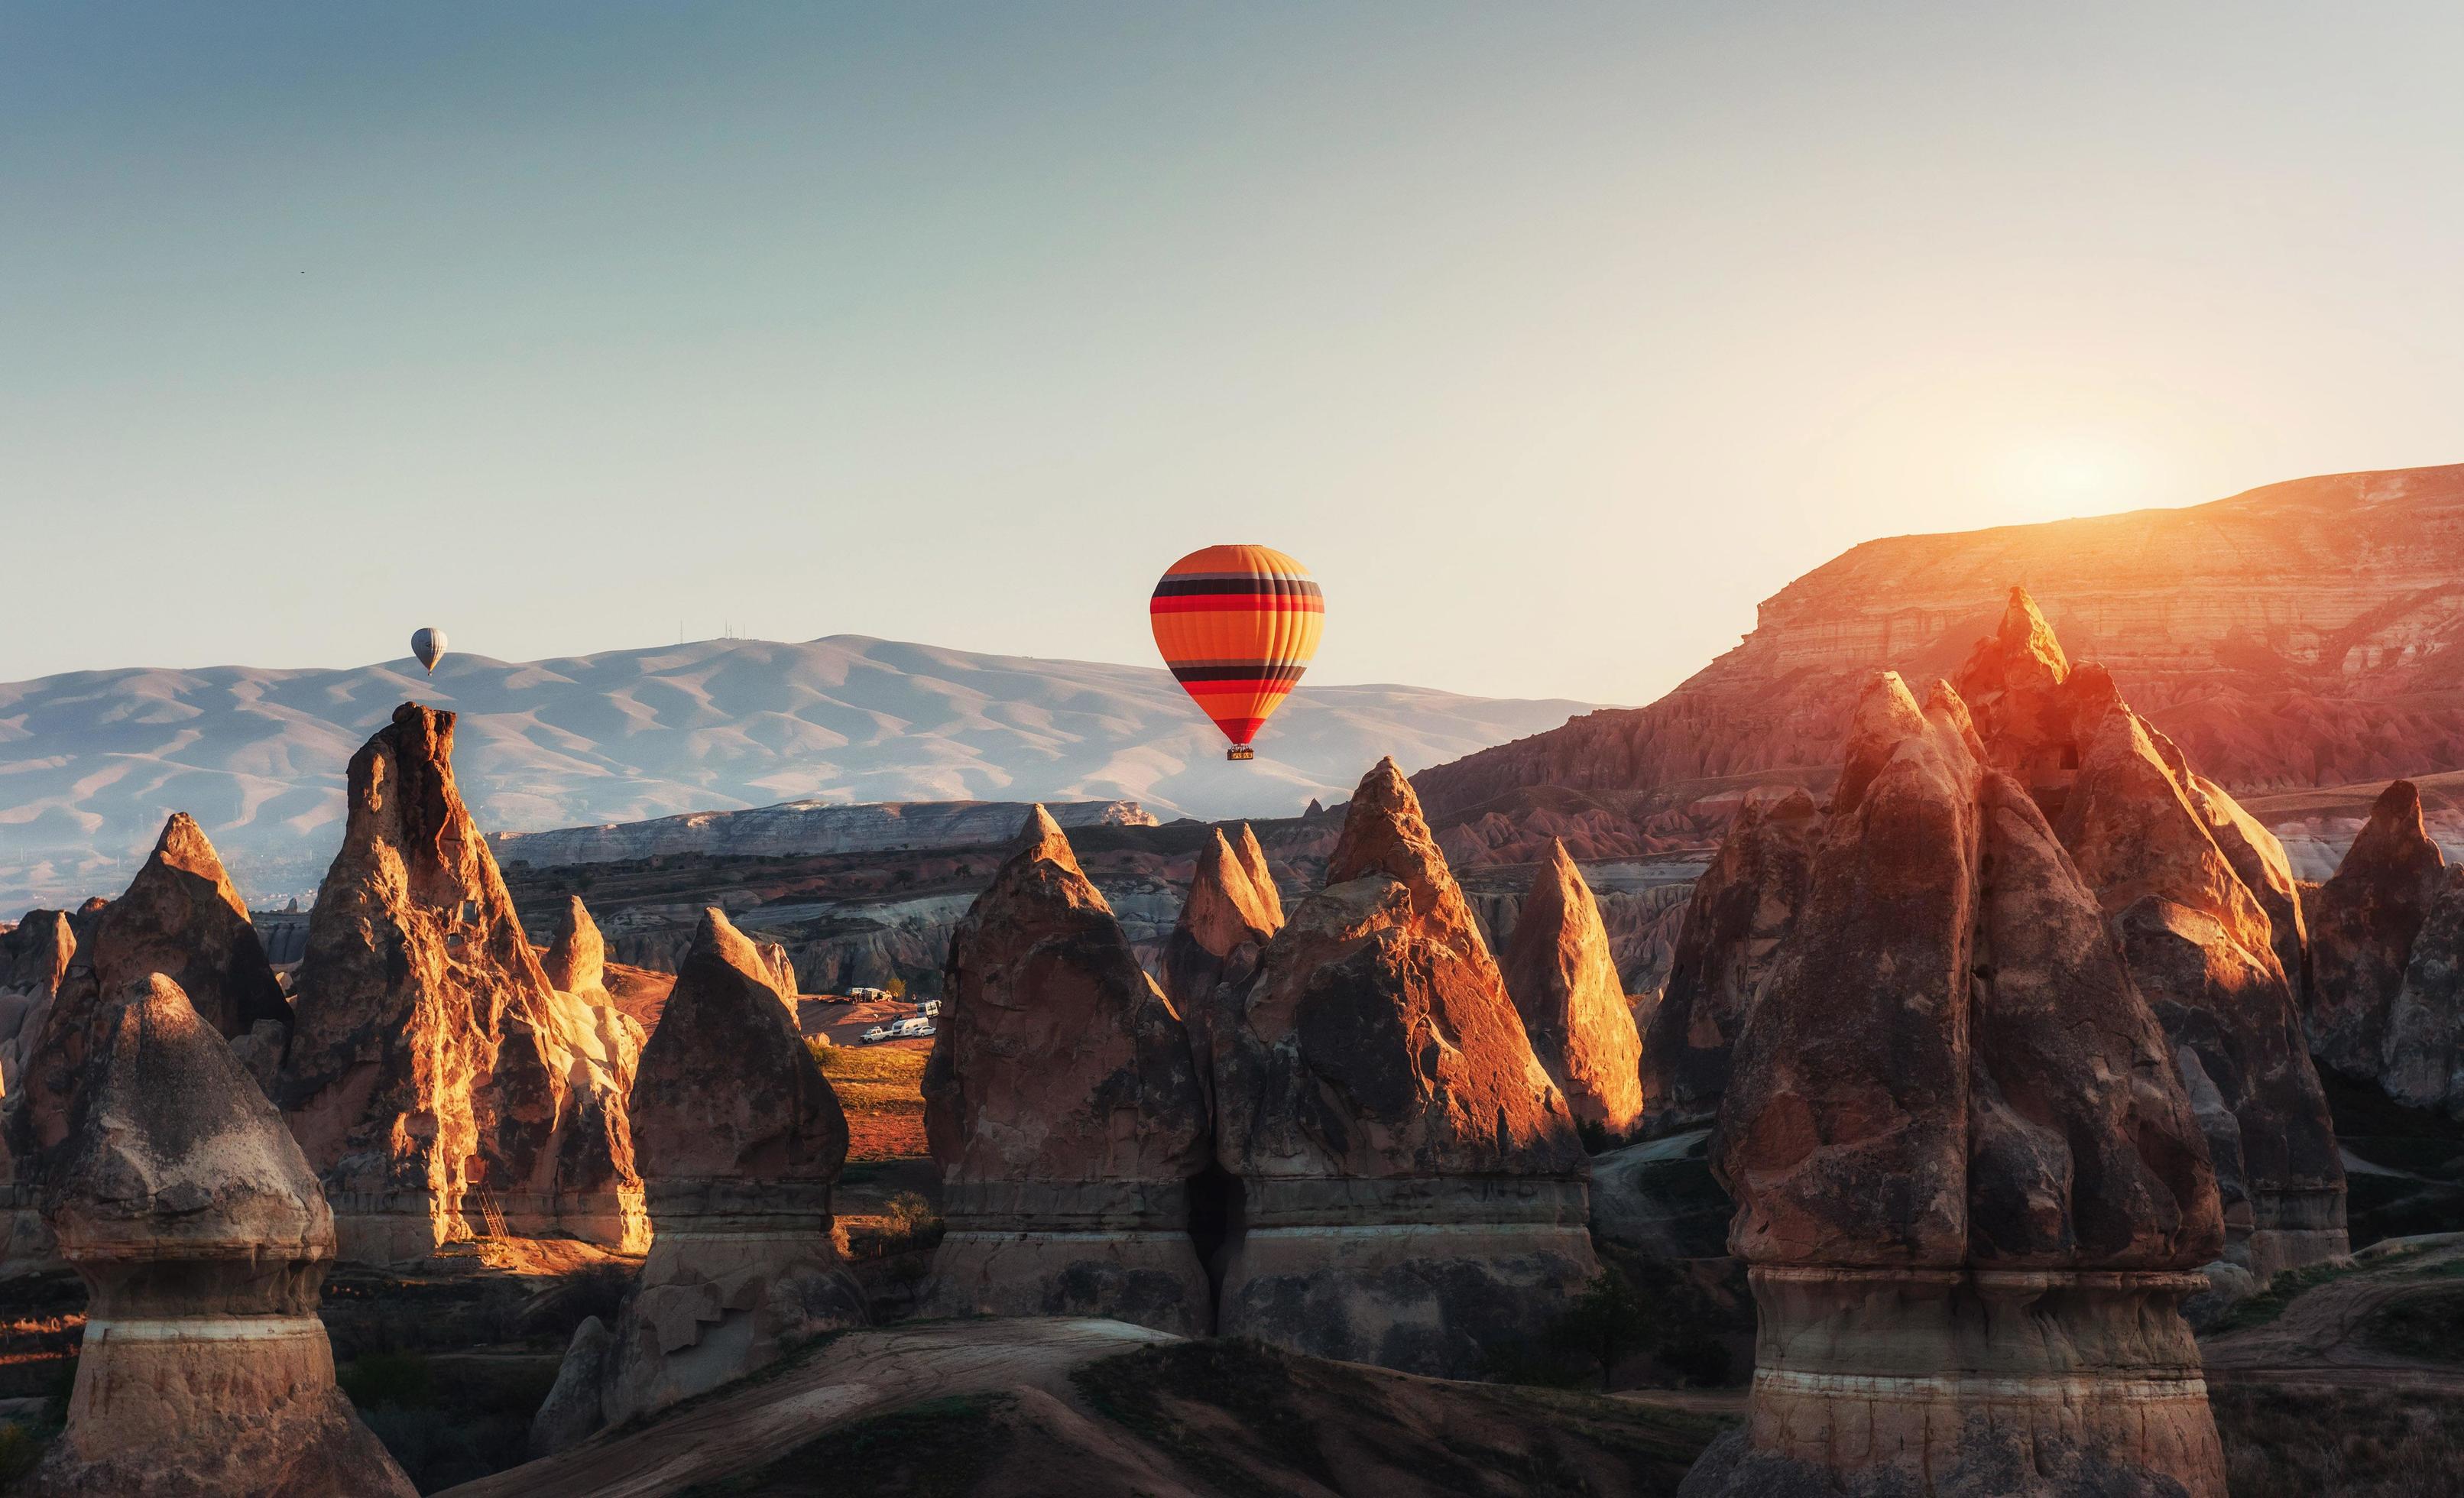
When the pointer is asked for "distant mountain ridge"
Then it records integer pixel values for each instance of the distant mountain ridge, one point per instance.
(92, 762)
(2305, 633)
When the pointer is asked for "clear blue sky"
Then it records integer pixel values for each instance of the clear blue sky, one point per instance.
(1552, 337)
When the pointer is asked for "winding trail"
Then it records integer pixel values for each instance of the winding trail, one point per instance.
(2317, 1339)
(860, 1374)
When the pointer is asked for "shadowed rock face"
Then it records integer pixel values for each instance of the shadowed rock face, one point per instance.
(1232, 911)
(1565, 985)
(1064, 1106)
(2423, 1060)
(180, 917)
(2201, 949)
(739, 1139)
(1966, 1174)
(1739, 912)
(1373, 1083)
(435, 1078)
(2363, 930)
(35, 961)
(203, 1238)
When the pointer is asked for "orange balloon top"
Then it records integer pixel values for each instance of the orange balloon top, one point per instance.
(1237, 626)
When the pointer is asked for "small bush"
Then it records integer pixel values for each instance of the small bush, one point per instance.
(399, 1380)
(20, 1450)
(909, 1222)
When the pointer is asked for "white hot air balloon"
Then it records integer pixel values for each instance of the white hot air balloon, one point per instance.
(428, 645)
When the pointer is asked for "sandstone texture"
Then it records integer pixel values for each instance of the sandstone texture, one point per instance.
(442, 1088)
(2363, 930)
(1231, 912)
(1968, 1179)
(1413, 1185)
(739, 1139)
(1063, 1103)
(1740, 911)
(1564, 984)
(203, 1238)
(576, 959)
(2305, 633)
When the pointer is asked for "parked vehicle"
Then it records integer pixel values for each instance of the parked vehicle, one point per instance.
(915, 1026)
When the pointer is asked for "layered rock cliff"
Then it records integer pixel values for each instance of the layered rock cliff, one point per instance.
(807, 827)
(2306, 633)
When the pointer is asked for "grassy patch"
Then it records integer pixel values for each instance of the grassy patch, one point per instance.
(1249, 1382)
(882, 1089)
(941, 1448)
(2269, 1303)
(2428, 1324)
(448, 1420)
(2312, 1442)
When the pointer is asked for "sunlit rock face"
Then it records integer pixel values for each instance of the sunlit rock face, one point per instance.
(437, 1081)
(1232, 909)
(739, 1139)
(1064, 1105)
(1735, 921)
(203, 1238)
(1969, 1181)
(1413, 1188)
(1564, 984)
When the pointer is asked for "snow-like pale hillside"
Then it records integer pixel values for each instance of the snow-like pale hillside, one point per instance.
(91, 763)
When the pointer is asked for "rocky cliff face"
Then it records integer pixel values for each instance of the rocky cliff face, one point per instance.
(739, 1139)
(576, 959)
(1374, 1082)
(1064, 1106)
(436, 1080)
(1968, 1176)
(1565, 985)
(2308, 633)
(203, 1238)
(1740, 914)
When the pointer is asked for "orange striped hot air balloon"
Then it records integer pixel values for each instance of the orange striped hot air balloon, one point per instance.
(1237, 626)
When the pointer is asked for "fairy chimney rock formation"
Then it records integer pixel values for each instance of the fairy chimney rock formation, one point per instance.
(739, 1139)
(2422, 1059)
(2362, 928)
(1232, 911)
(1065, 1109)
(1413, 1185)
(2201, 948)
(439, 1084)
(203, 1239)
(1565, 984)
(1739, 913)
(1969, 1181)
(576, 961)
(35, 961)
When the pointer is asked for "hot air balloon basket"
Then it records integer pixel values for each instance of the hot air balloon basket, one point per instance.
(1240, 752)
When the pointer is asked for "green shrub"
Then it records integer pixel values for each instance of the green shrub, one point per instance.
(397, 1380)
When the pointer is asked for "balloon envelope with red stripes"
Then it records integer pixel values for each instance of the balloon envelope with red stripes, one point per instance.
(1237, 626)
